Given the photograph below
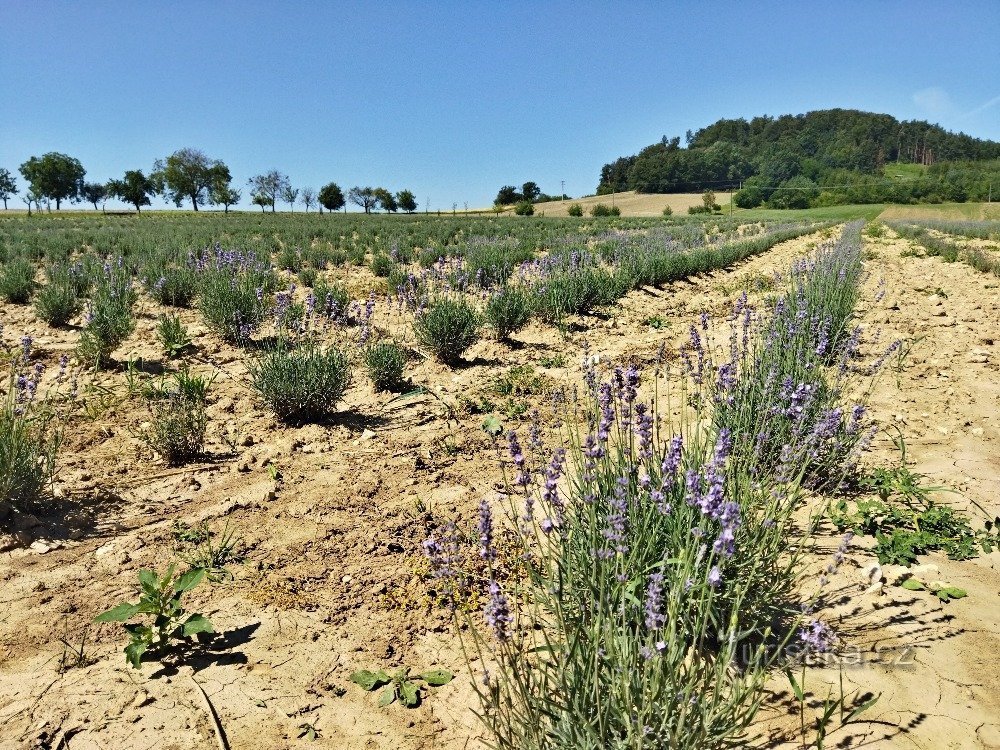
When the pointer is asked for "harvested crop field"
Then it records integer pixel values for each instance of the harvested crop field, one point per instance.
(421, 525)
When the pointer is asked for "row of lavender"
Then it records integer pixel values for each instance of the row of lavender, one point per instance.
(649, 578)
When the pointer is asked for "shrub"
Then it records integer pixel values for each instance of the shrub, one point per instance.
(56, 303)
(575, 209)
(233, 305)
(524, 208)
(382, 265)
(385, 362)
(602, 209)
(17, 281)
(447, 327)
(301, 385)
(177, 430)
(109, 320)
(509, 310)
(668, 211)
(332, 300)
(28, 446)
(699, 209)
(307, 276)
(173, 286)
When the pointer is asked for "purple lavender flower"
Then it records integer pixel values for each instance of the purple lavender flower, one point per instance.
(497, 612)
(485, 529)
(655, 617)
(714, 576)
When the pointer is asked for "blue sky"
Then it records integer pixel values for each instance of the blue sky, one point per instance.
(454, 99)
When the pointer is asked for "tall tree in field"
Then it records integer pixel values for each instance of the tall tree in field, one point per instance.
(386, 200)
(407, 201)
(530, 191)
(290, 196)
(188, 174)
(223, 194)
(331, 197)
(308, 198)
(508, 196)
(364, 197)
(8, 186)
(270, 185)
(135, 188)
(54, 176)
(94, 192)
(259, 199)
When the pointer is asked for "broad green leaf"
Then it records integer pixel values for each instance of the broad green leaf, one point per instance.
(409, 694)
(197, 624)
(189, 580)
(148, 580)
(912, 584)
(370, 680)
(121, 613)
(437, 677)
(492, 426)
(955, 593)
(387, 696)
(134, 652)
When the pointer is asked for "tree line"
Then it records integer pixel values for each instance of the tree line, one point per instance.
(188, 174)
(810, 154)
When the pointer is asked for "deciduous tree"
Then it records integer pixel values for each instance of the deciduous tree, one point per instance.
(308, 198)
(8, 186)
(55, 176)
(188, 174)
(508, 196)
(290, 195)
(134, 188)
(331, 197)
(94, 192)
(364, 197)
(407, 201)
(530, 191)
(385, 200)
(270, 185)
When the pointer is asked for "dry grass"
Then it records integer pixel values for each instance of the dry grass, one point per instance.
(630, 203)
(974, 211)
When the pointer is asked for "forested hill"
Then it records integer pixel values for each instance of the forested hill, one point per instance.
(826, 148)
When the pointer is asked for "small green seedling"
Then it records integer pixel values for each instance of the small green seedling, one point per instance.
(401, 685)
(941, 591)
(308, 732)
(161, 598)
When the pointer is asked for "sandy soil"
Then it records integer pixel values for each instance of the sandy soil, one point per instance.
(333, 576)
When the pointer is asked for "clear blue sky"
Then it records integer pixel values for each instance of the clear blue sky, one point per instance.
(454, 99)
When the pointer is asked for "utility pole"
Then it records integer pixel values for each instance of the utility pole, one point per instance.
(989, 197)
(562, 190)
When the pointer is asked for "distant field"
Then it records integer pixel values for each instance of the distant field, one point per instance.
(975, 211)
(630, 203)
(826, 213)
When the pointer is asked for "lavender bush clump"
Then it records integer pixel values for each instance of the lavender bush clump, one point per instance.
(29, 439)
(303, 384)
(447, 327)
(778, 394)
(109, 319)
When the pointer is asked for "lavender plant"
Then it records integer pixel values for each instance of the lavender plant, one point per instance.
(303, 384)
(57, 302)
(17, 281)
(508, 310)
(385, 362)
(110, 319)
(447, 327)
(29, 438)
(657, 586)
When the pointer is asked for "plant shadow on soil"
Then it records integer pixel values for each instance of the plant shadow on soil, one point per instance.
(217, 650)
